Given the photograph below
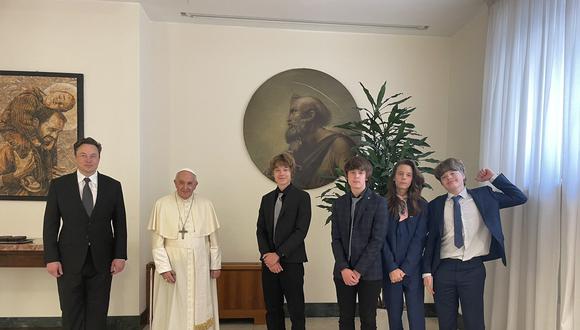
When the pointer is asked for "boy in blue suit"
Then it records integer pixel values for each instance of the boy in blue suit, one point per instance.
(359, 227)
(464, 231)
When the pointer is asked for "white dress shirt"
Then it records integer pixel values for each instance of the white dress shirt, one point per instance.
(92, 185)
(476, 236)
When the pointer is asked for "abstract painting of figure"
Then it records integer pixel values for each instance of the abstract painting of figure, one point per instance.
(40, 118)
(296, 111)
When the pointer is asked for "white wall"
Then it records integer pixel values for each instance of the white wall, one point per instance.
(213, 72)
(155, 123)
(161, 96)
(100, 40)
(465, 101)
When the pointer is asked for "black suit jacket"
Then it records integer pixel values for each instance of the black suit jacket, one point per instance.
(368, 234)
(291, 228)
(105, 229)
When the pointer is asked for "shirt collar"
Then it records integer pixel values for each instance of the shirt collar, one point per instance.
(362, 194)
(81, 177)
(278, 191)
(463, 194)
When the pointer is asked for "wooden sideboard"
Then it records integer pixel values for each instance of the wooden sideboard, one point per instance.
(22, 255)
(239, 291)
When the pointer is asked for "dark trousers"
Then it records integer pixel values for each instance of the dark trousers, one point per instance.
(412, 288)
(84, 297)
(290, 284)
(459, 281)
(368, 296)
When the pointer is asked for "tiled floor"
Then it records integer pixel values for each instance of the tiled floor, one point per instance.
(317, 323)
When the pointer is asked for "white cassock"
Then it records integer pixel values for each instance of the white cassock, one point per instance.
(191, 302)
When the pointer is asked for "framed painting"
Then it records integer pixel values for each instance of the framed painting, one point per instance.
(296, 111)
(41, 116)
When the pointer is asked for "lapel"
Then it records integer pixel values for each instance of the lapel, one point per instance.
(343, 214)
(478, 203)
(286, 200)
(271, 202)
(362, 205)
(410, 223)
(101, 188)
(440, 213)
(392, 231)
(76, 193)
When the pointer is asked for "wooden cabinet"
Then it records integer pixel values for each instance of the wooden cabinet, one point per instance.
(22, 255)
(240, 291)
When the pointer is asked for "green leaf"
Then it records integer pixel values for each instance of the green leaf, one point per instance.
(381, 93)
(328, 220)
(368, 94)
(387, 137)
(399, 101)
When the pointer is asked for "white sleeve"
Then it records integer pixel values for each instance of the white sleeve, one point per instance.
(215, 252)
(160, 257)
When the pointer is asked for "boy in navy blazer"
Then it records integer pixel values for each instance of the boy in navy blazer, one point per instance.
(359, 227)
(464, 231)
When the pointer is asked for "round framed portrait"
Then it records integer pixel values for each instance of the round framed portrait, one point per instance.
(296, 111)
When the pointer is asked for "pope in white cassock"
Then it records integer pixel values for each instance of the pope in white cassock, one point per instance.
(188, 258)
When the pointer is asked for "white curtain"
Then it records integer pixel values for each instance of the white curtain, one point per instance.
(531, 132)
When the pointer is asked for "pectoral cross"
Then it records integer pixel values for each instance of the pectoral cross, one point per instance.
(183, 231)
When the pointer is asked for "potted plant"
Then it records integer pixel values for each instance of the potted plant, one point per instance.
(386, 137)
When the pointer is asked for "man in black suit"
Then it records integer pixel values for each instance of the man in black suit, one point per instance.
(92, 245)
(283, 222)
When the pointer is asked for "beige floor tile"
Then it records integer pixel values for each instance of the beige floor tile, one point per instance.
(317, 323)
(320, 323)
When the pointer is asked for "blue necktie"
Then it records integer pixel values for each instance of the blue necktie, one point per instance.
(457, 222)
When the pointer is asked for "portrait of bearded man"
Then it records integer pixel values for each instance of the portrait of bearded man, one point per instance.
(39, 117)
(318, 150)
(297, 111)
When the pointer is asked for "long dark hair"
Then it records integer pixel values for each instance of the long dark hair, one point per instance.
(413, 194)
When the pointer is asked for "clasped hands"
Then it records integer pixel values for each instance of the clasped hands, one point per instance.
(272, 261)
(350, 277)
(396, 275)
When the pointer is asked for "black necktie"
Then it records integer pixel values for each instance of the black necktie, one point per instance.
(457, 222)
(88, 197)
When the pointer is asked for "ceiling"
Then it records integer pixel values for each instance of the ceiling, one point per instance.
(443, 17)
